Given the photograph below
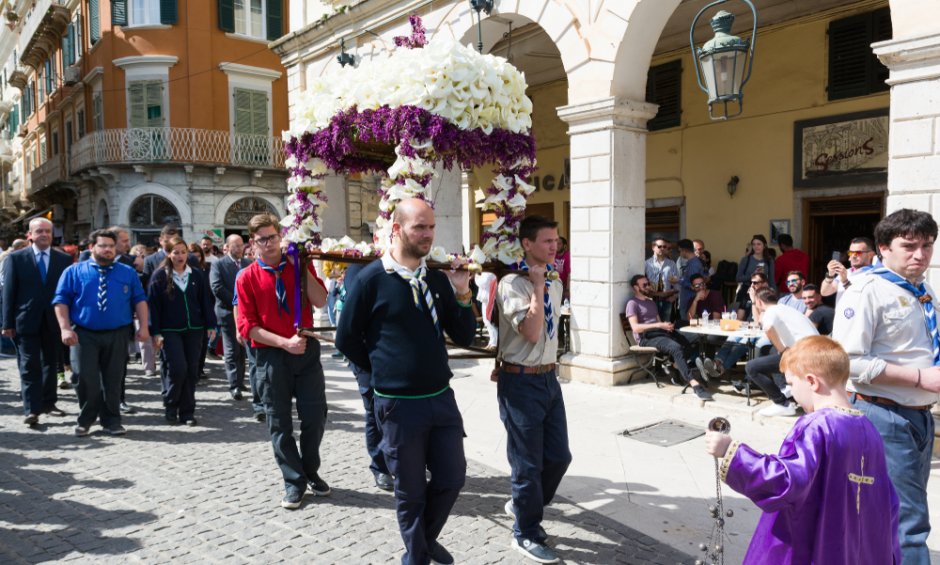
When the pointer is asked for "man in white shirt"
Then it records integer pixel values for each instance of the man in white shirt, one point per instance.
(784, 326)
(662, 273)
(886, 321)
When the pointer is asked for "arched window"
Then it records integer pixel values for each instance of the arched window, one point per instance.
(243, 210)
(148, 215)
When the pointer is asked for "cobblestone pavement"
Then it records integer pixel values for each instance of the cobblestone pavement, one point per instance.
(210, 494)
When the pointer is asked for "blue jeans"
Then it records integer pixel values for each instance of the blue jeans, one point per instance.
(257, 407)
(533, 411)
(908, 438)
(284, 377)
(735, 348)
(420, 434)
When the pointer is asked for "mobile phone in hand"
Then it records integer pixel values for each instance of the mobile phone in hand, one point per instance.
(836, 255)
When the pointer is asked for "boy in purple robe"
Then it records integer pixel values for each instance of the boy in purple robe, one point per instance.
(826, 495)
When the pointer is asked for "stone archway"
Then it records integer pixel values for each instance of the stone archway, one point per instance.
(242, 210)
(147, 216)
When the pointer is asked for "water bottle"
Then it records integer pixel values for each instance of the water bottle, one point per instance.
(704, 317)
(734, 315)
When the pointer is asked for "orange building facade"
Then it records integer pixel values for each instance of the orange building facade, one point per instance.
(144, 113)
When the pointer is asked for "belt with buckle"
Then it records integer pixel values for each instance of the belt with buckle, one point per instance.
(522, 369)
(888, 402)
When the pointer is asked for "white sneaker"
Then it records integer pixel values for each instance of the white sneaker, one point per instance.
(775, 409)
(787, 392)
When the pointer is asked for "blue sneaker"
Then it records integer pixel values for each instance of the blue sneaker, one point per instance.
(535, 551)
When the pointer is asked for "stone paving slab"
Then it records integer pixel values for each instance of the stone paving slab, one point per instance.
(210, 494)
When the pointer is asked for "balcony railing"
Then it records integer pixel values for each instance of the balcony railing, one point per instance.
(177, 145)
(53, 170)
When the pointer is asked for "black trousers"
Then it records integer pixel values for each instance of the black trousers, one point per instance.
(421, 434)
(674, 344)
(38, 357)
(101, 366)
(181, 353)
(762, 372)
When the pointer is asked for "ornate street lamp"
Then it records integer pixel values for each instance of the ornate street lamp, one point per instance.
(481, 6)
(724, 61)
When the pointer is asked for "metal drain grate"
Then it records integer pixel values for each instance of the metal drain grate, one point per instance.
(665, 433)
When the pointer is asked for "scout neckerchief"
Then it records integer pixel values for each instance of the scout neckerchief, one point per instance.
(279, 290)
(920, 292)
(419, 287)
(547, 300)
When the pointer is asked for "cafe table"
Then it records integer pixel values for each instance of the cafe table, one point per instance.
(713, 328)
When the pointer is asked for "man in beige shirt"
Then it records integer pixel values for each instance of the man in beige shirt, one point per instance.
(530, 400)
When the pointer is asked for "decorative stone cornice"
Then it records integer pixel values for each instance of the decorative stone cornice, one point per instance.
(246, 70)
(146, 60)
(47, 38)
(910, 60)
(607, 113)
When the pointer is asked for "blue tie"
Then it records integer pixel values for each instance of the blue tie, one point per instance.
(920, 293)
(41, 262)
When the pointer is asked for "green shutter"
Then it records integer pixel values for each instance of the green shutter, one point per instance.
(854, 70)
(168, 12)
(67, 52)
(156, 118)
(251, 111)
(136, 101)
(94, 25)
(227, 15)
(275, 19)
(119, 12)
(259, 113)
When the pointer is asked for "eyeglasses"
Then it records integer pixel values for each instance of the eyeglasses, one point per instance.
(698, 286)
(793, 281)
(856, 253)
(757, 282)
(645, 285)
(659, 246)
(266, 240)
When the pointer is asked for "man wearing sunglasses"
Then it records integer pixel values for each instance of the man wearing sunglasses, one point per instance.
(794, 281)
(663, 274)
(838, 277)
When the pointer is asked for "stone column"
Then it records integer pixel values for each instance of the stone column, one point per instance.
(608, 206)
(914, 140)
(447, 191)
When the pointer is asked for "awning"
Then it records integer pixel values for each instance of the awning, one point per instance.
(30, 214)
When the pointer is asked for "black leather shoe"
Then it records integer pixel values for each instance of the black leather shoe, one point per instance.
(384, 482)
(236, 394)
(439, 555)
(53, 411)
(31, 419)
(261, 417)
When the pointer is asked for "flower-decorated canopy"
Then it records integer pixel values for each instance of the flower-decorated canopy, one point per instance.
(401, 114)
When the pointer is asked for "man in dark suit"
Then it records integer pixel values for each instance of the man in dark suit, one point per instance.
(30, 277)
(222, 283)
(154, 260)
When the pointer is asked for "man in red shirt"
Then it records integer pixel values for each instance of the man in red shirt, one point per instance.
(288, 364)
(790, 259)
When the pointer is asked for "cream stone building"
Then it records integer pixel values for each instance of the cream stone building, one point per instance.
(626, 148)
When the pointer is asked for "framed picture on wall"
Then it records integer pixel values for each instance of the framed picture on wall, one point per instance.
(841, 150)
(778, 227)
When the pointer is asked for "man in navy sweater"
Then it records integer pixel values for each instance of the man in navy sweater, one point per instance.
(393, 326)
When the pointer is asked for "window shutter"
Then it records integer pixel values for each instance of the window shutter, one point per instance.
(259, 113)
(227, 15)
(881, 31)
(119, 12)
(67, 46)
(168, 12)
(136, 101)
(242, 101)
(78, 36)
(48, 75)
(154, 104)
(854, 70)
(94, 25)
(664, 87)
(849, 50)
(275, 19)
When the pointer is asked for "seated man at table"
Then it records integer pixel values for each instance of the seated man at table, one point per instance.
(735, 348)
(705, 300)
(784, 327)
(650, 331)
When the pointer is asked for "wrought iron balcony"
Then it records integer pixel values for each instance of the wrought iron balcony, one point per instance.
(176, 145)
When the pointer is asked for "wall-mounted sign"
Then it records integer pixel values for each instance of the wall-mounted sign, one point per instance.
(552, 180)
(841, 150)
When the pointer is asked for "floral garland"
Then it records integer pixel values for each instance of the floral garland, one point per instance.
(436, 102)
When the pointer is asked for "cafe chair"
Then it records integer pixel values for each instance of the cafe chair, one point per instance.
(649, 360)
